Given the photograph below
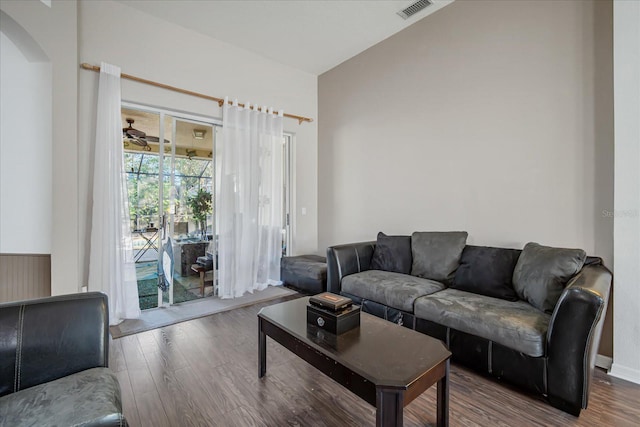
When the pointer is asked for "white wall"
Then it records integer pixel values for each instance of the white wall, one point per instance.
(494, 117)
(25, 152)
(626, 338)
(154, 49)
(54, 29)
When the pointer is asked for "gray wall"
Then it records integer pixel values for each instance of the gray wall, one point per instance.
(492, 117)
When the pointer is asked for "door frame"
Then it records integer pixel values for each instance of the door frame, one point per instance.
(288, 178)
(174, 115)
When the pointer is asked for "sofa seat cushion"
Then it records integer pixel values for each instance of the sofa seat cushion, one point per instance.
(87, 398)
(515, 324)
(392, 289)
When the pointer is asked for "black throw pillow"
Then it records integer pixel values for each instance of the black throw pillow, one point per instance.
(392, 253)
(487, 271)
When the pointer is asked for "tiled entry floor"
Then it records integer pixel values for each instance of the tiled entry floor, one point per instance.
(163, 316)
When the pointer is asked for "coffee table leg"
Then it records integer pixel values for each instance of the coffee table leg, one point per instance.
(389, 406)
(262, 350)
(443, 399)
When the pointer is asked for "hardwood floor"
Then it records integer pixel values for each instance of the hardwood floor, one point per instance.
(204, 373)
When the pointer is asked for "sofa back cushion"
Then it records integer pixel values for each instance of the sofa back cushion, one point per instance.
(487, 271)
(436, 254)
(542, 272)
(392, 253)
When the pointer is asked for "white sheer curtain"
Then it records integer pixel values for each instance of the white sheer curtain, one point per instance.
(111, 266)
(250, 203)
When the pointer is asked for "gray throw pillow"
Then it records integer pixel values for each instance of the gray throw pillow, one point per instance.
(436, 254)
(542, 272)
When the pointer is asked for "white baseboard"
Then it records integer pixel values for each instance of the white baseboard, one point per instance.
(603, 362)
(625, 373)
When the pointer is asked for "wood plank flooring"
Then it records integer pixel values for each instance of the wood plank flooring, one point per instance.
(204, 373)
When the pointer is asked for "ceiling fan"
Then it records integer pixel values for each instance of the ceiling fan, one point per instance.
(139, 137)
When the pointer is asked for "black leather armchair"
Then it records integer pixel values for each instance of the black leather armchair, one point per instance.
(53, 363)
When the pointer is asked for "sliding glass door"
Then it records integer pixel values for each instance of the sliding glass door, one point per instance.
(171, 189)
(190, 212)
(173, 176)
(142, 164)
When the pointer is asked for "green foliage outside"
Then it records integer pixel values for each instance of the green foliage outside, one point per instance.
(200, 205)
(190, 177)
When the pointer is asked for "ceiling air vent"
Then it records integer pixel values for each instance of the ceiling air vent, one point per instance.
(414, 8)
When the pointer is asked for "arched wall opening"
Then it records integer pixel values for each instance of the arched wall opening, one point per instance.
(26, 153)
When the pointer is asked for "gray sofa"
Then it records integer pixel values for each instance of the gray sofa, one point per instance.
(531, 317)
(54, 354)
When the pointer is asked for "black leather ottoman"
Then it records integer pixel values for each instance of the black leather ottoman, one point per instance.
(305, 273)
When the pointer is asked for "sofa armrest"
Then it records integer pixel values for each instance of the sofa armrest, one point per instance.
(343, 260)
(44, 339)
(574, 336)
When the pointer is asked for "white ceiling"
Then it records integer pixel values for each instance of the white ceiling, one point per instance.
(310, 35)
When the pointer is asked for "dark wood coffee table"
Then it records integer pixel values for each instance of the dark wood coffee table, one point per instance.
(385, 364)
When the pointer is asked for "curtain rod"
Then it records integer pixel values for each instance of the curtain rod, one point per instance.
(220, 101)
